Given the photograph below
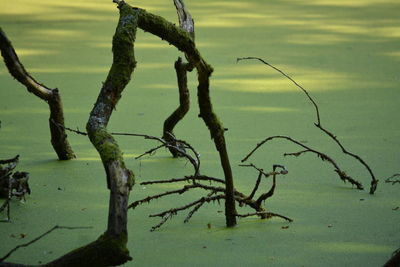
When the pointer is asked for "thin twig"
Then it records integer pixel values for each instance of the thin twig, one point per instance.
(271, 191)
(196, 208)
(175, 144)
(169, 213)
(77, 131)
(150, 198)
(392, 179)
(186, 178)
(164, 220)
(40, 237)
(264, 214)
(257, 184)
(190, 214)
(293, 81)
(284, 171)
(175, 210)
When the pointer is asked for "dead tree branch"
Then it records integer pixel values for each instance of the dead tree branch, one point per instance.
(374, 181)
(324, 157)
(50, 96)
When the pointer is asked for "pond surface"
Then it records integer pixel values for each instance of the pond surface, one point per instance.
(345, 53)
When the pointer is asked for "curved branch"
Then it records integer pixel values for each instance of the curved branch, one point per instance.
(51, 96)
(374, 181)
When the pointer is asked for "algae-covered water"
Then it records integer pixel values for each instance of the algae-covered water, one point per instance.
(345, 53)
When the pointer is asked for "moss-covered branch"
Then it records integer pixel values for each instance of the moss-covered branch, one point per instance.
(50, 96)
(119, 179)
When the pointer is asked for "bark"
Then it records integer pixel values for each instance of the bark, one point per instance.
(51, 96)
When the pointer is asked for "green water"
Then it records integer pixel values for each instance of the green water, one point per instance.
(347, 55)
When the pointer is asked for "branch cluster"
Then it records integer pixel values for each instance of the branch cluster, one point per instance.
(214, 187)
